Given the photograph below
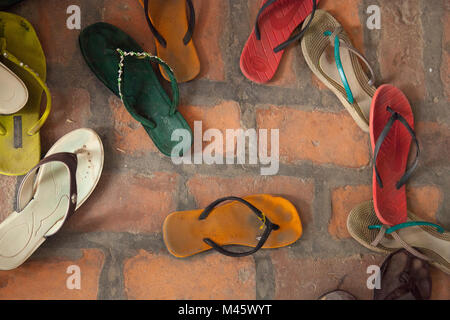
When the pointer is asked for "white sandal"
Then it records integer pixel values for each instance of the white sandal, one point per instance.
(66, 177)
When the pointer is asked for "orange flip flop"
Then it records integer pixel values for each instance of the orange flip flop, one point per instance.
(173, 32)
(235, 223)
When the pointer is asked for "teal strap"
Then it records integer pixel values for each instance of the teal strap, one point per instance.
(408, 224)
(337, 57)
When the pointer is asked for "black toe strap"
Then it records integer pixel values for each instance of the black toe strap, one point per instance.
(191, 24)
(395, 117)
(269, 227)
(295, 38)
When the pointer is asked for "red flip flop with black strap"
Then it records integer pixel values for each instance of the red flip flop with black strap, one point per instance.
(275, 22)
(391, 133)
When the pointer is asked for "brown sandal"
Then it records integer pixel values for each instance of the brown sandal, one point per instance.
(404, 277)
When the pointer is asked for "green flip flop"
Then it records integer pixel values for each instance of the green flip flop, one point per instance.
(123, 66)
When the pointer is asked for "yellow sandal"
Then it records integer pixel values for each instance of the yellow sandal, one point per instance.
(21, 52)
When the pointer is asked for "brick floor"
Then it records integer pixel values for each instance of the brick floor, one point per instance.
(116, 239)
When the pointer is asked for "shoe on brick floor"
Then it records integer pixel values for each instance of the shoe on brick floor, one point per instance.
(21, 52)
(391, 133)
(67, 176)
(403, 277)
(425, 240)
(238, 222)
(122, 65)
(331, 56)
(275, 22)
(173, 33)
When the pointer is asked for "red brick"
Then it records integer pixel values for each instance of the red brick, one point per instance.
(225, 115)
(211, 276)
(7, 196)
(445, 67)
(130, 136)
(212, 16)
(309, 278)
(343, 200)
(71, 109)
(206, 189)
(317, 83)
(424, 201)
(129, 16)
(434, 139)
(46, 278)
(401, 47)
(440, 286)
(59, 43)
(346, 12)
(321, 137)
(128, 202)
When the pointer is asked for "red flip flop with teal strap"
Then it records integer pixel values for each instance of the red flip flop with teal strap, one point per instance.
(276, 21)
(391, 133)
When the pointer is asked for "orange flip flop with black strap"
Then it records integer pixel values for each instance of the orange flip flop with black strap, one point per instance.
(238, 222)
(173, 32)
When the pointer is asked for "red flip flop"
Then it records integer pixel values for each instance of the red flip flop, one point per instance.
(391, 132)
(276, 21)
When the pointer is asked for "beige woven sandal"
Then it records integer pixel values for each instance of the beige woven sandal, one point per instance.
(425, 242)
(330, 55)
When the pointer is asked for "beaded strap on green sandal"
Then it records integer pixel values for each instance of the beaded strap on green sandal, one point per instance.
(21, 52)
(123, 66)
